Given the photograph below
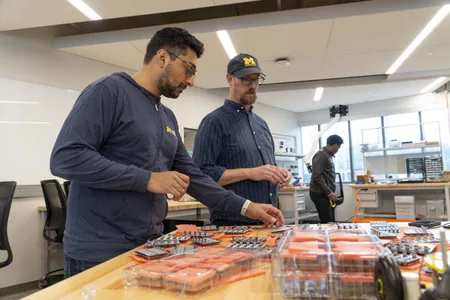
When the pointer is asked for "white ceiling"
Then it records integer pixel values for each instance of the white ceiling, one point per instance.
(19, 14)
(320, 46)
(301, 100)
(322, 49)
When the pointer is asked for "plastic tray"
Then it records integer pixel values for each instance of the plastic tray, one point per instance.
(299, 285)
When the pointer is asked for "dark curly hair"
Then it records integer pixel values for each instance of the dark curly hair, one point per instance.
(334, 140)
(173, 39)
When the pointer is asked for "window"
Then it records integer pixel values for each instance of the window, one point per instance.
(342, 158)
(308, 135)
(364, 131)
(403, 128)
(432, 133)
(398, 133)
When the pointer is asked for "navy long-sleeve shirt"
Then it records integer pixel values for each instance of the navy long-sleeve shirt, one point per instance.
(232, 138)
(115, 136)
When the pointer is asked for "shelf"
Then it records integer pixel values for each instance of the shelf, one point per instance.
(402, 148)
(398, 154)
(295, 155)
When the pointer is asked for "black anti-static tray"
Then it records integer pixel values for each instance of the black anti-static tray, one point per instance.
(200, 234)
(162, 243)
(248, 240)
(209, 228)
(152, 252)
(205, 241)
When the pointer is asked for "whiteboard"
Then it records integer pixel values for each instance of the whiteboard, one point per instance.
(28, 130)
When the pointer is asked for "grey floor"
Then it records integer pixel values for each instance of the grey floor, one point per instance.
(18, 296)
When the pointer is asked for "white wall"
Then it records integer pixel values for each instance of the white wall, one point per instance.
(25, 155)
(35, 61)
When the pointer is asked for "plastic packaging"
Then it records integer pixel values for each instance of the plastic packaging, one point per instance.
(193, 273)
(326, 264)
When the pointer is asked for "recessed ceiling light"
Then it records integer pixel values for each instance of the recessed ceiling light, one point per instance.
(434, 85)
(85, 9)
(282, 62)
(435, 21)
(318, 94)
(227, 43)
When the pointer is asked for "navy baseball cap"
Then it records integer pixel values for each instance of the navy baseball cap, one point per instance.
(244, 64)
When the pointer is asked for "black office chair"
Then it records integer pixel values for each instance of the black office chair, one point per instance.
(55, 201)
(7, 190)
(66, 185)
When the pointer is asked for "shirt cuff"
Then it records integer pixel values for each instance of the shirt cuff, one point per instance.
(141, 179)
(245, 207)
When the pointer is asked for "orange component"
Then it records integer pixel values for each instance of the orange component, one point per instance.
(271, 241)
(306, 236)
(183, 228)
(312, 247)
(190, 279)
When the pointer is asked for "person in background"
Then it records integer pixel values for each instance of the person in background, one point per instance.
(234, 146)
(322, 187)
(122, 151)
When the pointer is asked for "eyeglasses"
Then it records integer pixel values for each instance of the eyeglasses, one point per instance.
(249, 81)
(191, 70)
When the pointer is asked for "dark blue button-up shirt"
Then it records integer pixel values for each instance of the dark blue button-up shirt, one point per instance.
(232, 138)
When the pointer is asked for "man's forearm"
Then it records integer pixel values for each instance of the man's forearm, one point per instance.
(233, 176)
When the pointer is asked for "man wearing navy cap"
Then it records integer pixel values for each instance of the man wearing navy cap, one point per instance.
(234, 146)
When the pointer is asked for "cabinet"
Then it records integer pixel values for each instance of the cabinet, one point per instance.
(291, 202)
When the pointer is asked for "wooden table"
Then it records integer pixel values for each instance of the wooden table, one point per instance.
(173, 205)
(107, 279)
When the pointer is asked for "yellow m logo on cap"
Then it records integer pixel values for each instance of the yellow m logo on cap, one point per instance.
(249, 61)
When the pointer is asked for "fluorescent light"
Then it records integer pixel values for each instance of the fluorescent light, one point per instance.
(435, 21)
(23, 122)
(226, 42)
(318, 94)
(18, 102)
(434, 85)
(85, 9)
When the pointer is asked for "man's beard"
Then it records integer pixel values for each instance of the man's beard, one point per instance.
(249, 101)
(164, 85)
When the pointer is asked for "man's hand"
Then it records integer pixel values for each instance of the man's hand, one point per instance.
(266, 213)
(287, 178)
(267, 172)
(332, 197)
(168, 182)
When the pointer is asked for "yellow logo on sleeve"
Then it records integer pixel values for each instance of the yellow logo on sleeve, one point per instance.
(249, 61)
(170, 130)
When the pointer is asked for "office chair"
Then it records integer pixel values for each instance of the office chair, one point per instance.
(55, 201)
(7, 190)
(66, 185)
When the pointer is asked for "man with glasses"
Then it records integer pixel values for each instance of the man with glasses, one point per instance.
(122, 151)
(234, 146)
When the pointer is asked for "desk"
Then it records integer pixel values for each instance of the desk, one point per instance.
(107, 279)
(444, 186)
(173, 206)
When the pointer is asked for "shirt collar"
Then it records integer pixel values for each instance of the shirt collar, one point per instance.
(327, 152)
(234, 105)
